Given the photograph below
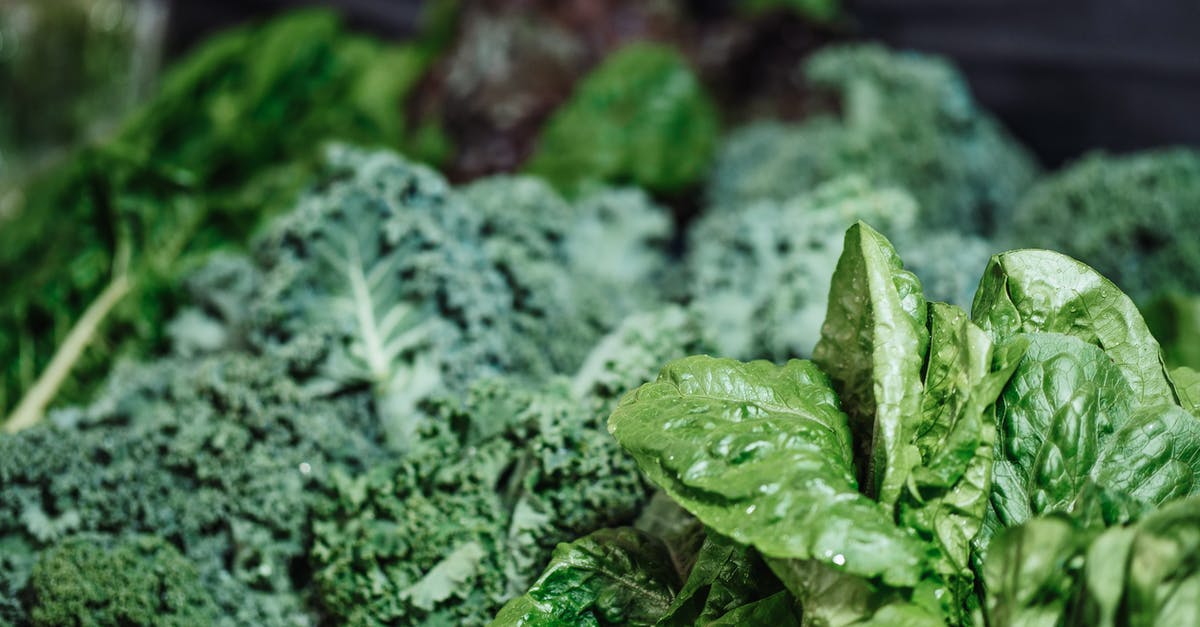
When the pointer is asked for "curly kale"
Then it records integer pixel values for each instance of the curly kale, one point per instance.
(229, 137)
(570, 265)
(446, 538)
(387, 278)
(1131, 217)
(464, 523)
(220, 456)
(138, 580)
(905, 120)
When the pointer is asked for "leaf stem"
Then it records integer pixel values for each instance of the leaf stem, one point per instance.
(33, 405)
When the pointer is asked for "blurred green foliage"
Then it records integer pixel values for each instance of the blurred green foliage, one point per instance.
(68, 66)
(138, 581)
(641, 117)
(904, 119)
(816, 10)
(1174, 318)
(1133, 217)
(231, 136)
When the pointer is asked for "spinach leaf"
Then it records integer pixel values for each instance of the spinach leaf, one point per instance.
(873, 345)
(1163, 573)
(612, 576)
(1031, 291)
(1068, 419)
(1064, 400)
(726, 579)
(948, 492)
(1033, 571)
(761, 453)
(1054, 571)
(1155, 457)
(778, 610)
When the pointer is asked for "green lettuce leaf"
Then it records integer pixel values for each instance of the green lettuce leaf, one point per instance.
(1053, 571)
(726, 578)
(1032, 291)
(612, 576)
(761, 453)
(1068, 419)
(873, 345)
(948, 492)
(1033, 571)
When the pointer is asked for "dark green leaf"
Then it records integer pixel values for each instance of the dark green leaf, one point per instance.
(641, 117)
(948, 491)
(613, 576)
(726, 578)
(1032, 572)
(1064, 400)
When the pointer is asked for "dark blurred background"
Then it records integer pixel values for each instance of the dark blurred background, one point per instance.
(1065, 76)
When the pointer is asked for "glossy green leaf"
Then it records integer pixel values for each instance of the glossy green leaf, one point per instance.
(726, 577)
(1035, 291)
(1053, 571)
(873, 345)
(1069, 424)
(761, 453)
(948, 492)
(1164, 575)
(613, 576)
(777, 610)
(1032, 572)
(1065, 397)
(1155, 457)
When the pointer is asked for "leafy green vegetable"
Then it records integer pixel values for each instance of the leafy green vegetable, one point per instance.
(389, 278)
(947, 497)
(137, 581)
(873, 345)
(789, 248)
(1175, 321)
(906, 120)
(523, 469)
(230, 137)
(1089, 423)
(641, 117)
(613, 576)
(520, 470)
(991, 456)
(1051, 572)
(1038, 291)
(1131, 217)
(1187, 387)
(729, 582)
(221, 456)
(762, 454)
(1033, 571)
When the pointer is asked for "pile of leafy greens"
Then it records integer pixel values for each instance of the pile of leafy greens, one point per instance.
(391, 412)
(1030, 463)
(292, 381)
(231, 136)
